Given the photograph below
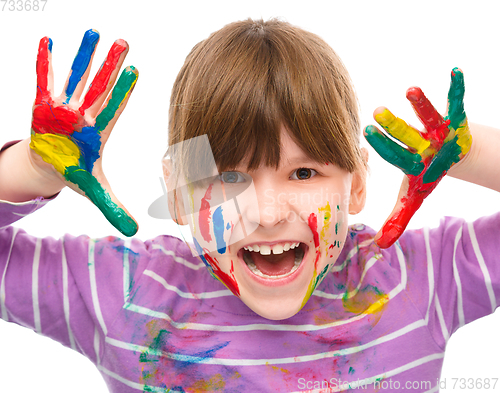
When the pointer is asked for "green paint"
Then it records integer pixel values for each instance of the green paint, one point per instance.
(443, 160)
(98, 195)
(351, 370)
(410, 163)
(456, 112)
(119, 94)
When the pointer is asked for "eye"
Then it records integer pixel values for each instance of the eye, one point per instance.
(231, 177)
(303, 174)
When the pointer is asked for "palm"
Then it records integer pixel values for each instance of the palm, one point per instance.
(428, 156)
(69, 136)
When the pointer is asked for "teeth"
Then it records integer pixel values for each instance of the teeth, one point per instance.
(299, 255)
(265, 250)
(277, 249)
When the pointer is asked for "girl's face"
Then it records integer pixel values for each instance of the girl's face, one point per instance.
(295, 225)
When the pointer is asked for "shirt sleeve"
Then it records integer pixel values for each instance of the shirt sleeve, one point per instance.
(454, 272)
(68, 289)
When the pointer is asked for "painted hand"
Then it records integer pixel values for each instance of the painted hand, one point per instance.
(429, 154)
(68, 136)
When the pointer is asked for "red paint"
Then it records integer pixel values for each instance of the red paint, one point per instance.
(49, 119)
(101, 80)
(204, 217)
(42, 72)
(331, 246)
(227, 279)
(410, 203)
(437, 128)
(313, 224)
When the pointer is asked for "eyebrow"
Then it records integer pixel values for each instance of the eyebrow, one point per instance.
(300, 159)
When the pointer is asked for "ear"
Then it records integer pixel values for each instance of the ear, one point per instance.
(358, 186)
(175, 203)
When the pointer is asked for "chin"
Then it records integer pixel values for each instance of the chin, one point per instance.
(274, 310)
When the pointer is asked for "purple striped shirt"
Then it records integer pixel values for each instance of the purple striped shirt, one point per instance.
(152, 319)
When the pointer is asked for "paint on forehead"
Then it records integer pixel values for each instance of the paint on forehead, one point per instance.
(312, 221)
(218, 221)
(204, 215)
(325, 231)
(81, 61)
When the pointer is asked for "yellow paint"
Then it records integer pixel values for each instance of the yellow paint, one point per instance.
(310, 289)
(215, 383)
(327, 217)
(283, 370)
(402, 131)
(464, 138)
(58, 150)
(365, 302)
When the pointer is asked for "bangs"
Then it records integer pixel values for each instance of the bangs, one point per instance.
(246, 81)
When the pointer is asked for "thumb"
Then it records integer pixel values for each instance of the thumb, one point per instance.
(407, 204)
(100, 194)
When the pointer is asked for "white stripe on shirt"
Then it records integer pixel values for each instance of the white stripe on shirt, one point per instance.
(66, 296)
(430, 271)
(482, 265)
(456, 276)
(34, 286)
(93, 287)
(187, 295)
(5, 315)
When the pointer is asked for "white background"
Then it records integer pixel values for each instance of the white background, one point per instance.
(387, 47)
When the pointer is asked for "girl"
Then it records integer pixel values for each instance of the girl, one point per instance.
(277, 107)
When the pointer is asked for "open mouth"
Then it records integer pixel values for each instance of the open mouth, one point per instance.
(274, 266)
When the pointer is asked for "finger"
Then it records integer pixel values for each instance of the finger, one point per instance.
(91, 140)
(118, 100)
(449, 154)
(102, 196)
(456, 112)
(80, 68)
(408, 162)
(400, 130)
(105, 78)
(431, 119)
(44, 73)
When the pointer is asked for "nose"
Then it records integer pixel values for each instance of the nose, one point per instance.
(271, 206)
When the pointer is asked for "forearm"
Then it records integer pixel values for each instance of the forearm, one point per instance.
(482, 164)
(20, 181)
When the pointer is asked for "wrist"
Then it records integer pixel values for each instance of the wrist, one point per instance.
(22, 179)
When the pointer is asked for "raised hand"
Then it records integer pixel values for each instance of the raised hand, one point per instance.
(428, 155)
(68, 135)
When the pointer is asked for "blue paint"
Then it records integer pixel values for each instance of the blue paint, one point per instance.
(81, 61)
(50, 45)
(228, 226)
(89, 142)
(218, 221)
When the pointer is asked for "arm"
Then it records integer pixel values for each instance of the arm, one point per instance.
(25, 181)
(68, 135)
(481, 166)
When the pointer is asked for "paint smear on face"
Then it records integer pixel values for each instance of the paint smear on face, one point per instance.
(218, 221)
(325, 231)
(204, 216)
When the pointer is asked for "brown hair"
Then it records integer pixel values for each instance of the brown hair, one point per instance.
(248, 79)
